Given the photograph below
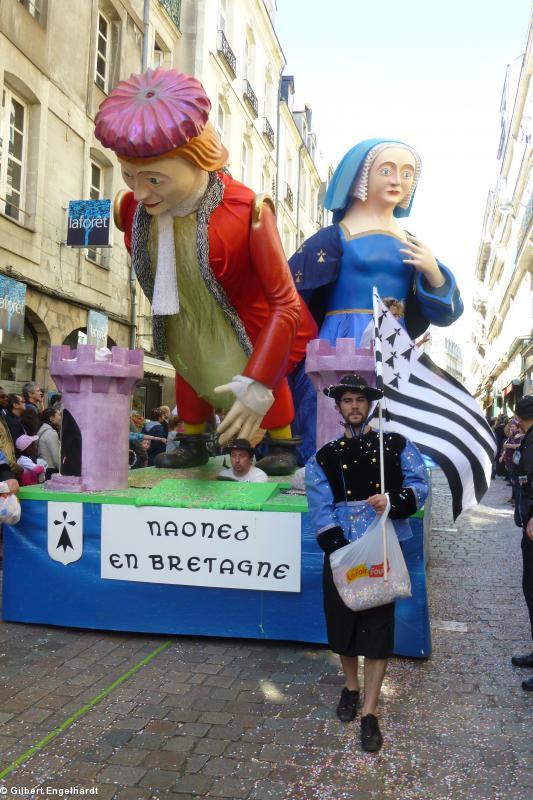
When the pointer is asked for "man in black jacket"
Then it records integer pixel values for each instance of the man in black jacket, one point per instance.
(344, 496)
(524, 517)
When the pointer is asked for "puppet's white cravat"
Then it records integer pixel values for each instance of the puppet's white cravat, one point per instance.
(166, 299)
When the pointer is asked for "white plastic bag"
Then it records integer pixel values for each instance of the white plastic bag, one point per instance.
(9, 509)
(358, 568)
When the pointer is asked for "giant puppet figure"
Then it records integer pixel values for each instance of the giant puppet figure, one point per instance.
(207, 254)
(335, 269)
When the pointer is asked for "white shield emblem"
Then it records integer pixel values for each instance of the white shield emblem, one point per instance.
(65, 531)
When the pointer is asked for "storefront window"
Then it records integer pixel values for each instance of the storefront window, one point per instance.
(17, 355)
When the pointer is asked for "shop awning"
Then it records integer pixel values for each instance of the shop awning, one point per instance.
(512, 387)
(156, 366)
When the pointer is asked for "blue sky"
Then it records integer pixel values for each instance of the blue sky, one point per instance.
(429, 73)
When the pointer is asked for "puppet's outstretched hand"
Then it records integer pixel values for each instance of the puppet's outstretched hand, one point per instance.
(253, 399)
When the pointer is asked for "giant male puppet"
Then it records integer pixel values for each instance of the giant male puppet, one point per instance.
(207, 254)
(335, 269)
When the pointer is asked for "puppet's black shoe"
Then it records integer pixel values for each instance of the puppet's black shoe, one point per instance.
(348, 703)
(281, 458)
(527, 686)
(192, 452)
(371, 738)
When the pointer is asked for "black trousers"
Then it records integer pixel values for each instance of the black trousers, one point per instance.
(527, 575)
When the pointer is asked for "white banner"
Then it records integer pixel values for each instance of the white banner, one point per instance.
(197, 547)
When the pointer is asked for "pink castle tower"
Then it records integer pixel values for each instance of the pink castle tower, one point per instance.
(96, 398)
(326, 364)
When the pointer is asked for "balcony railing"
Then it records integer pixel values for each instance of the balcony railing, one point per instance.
(173, 9)
(289, 199)
(268, 132)
(224, 50)
(249, 97)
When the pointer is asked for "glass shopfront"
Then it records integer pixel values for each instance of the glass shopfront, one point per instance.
(17, 358)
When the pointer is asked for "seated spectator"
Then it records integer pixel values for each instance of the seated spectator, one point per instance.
(154, 427)
(56, 402)
(33, 396)
(3, 402)
(8, 483)
(31, 421)
(15, 408)
(49, 447)
(165, 412)
(175, 426)
(241, 454)
(33, 467)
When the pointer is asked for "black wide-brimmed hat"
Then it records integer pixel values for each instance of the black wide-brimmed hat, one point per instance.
(524, 407)
(238, 444)
(352, 383)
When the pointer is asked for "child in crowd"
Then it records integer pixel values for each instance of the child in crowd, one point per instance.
(175, 426)
(33, 468)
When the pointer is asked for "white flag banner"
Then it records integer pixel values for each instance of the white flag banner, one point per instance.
(65, 531)
(432, 409)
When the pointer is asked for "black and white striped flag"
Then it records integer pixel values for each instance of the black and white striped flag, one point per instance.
(429, 407)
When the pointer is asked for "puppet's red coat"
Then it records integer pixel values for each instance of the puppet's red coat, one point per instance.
(247, 260)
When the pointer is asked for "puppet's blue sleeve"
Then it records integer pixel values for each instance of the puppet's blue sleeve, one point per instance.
(443, 305)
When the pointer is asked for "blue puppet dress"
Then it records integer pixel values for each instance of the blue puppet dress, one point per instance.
(334, 273)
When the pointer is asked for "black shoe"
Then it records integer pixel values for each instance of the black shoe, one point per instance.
(347, 708)
(192, 452)
(522, 661)
(527, 686)
(281, 458)
(371, 738)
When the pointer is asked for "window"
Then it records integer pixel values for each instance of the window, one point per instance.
(158, 56)
(34, 7)
(268, 89)
(221, 120)
(13, 144)
(17, 356)
(249, 57)
(223, 16)
(103, 41)
(96, 192)
(244, 163)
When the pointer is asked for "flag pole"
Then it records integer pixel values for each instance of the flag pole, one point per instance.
(379, 385)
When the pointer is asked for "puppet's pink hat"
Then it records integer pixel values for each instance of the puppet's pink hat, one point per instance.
(152, 113)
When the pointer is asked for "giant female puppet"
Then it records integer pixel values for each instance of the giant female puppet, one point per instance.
(335, 269)
(207, 254)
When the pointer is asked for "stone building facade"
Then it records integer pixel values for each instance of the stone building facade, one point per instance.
(503, 332)
(58, 61)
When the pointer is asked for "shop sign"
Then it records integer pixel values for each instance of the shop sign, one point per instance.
(97, 324)
(201, 547)
(89, 223)
(12, 305)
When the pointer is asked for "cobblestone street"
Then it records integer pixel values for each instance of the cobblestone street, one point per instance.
(247, 719)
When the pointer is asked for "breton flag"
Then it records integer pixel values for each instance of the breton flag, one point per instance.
(429, 407)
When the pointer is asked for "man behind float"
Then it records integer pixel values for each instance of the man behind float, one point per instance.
(344, 494)
(242, 469)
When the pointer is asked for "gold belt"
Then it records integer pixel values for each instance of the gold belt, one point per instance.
(350, 311)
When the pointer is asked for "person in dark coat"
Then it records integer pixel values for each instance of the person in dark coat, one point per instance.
(344, 494)
(15, 410)
(154, 427)
(524, 518)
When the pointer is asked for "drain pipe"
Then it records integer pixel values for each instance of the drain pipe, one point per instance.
(146, 35)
